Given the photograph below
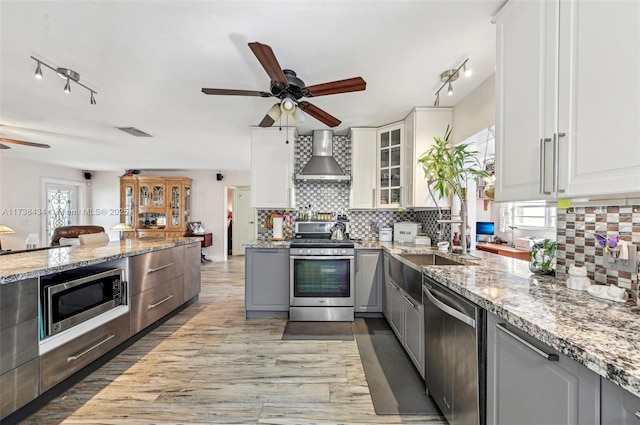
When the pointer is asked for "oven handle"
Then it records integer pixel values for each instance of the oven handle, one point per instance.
(150, 306)
(93, 347)
(322, 257)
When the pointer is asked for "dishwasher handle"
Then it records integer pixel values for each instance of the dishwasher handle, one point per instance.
(449, 310)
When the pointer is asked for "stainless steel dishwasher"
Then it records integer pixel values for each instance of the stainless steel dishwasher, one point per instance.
(455, 352)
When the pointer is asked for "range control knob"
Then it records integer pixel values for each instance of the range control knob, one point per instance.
(301, 251)
(335, 251)
(344, 251)
(309, 251)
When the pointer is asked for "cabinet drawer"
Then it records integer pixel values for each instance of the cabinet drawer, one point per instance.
(18, 302)
(152, 234)
(149, 270)
(18, 344)
(154, 303)
(18, 387)
(58, 364)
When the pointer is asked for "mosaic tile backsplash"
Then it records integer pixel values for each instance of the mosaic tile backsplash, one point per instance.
(578, 245)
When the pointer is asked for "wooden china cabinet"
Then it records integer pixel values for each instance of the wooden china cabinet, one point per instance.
(157, 207)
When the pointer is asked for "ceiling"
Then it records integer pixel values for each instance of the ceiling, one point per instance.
(148, 60)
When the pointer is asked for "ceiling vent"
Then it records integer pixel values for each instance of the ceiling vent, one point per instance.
(134, 131)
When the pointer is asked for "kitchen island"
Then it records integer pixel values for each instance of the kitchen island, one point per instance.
(66, 309)
(602, 335)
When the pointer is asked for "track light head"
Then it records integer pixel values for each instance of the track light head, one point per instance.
(437, 102)
(38, 74)
(93, 99)
(450, 89)
(67, 87)
(466, 70)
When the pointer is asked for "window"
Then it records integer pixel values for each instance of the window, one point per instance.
(533, 215)
(61, 201)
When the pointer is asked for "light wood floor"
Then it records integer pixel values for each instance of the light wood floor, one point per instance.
(210, 365)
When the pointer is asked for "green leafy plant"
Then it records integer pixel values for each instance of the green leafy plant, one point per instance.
(542, 257)
(448, 168)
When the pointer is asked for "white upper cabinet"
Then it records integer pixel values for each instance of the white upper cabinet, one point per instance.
(272, 165)
(421, 126)
(363, 168)
(567, 99)
(391, 187)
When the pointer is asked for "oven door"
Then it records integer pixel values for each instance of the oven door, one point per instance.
(322, 281)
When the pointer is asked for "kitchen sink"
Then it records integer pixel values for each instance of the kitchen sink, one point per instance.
(430, 260)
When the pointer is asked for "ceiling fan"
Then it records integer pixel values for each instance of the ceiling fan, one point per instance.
(286, 86)
(4, 140)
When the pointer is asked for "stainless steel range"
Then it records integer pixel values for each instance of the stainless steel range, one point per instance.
(322, 274)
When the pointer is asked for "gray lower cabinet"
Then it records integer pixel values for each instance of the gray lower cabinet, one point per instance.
(406, 317)
(64, 361)
(266, 282)
(150, 269)
(618, 406)
(18, 344)
(528, 382)
(368, 282)
(153, 304)
(192, 271)
(414, 332)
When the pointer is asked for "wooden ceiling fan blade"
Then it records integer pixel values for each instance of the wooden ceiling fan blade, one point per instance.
(4, 146)
(232, 92)
(268, 60)
(319, 114)
(335, 87)
(267, 121)
(22, 142)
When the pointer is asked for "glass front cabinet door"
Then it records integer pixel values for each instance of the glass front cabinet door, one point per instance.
(390, 166)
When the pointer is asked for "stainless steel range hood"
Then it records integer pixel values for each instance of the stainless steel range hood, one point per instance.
(322, 166)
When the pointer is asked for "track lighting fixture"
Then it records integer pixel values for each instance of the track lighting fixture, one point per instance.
(68, 74)
(38, 72)
(448, 77)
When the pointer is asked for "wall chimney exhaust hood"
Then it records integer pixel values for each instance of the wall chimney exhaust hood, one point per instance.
(322, 166)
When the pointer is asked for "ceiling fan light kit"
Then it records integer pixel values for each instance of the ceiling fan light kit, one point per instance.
(449, 76)
(67, 74)
(286, 86)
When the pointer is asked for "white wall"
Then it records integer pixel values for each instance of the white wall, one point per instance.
(475, 112)
(20, 191)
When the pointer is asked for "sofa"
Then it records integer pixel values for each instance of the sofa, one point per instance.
(69, 232)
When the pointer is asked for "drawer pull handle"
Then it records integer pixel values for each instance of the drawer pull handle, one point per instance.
(550, 357)
(393, 286)
(409, 301)
(93, 347)
(159, 302)
(159, 268)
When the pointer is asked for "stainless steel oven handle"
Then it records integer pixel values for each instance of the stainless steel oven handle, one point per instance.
(322, 257)
(159, 268)
(93, 347)
(550, 357)
(150, 306)
(449, 310)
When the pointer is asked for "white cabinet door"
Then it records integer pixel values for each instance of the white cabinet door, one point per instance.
(421, 126)
(368, 281)
(564, 126)
(525, 98)
(272, 167)
(598, 112)
(390, 163)
(363, 168)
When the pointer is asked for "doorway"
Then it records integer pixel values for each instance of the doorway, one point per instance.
(240, 220)
(64, 203)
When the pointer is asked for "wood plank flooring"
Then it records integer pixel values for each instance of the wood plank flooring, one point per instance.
(210, 365)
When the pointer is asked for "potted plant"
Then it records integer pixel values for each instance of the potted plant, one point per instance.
(448, 169)
(542, 257)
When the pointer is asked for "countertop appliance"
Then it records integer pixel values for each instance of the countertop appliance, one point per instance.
(385, 234)
(526, 244)
(322, 272)
(405, 231)
(455, 354)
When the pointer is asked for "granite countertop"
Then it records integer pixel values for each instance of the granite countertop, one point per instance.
(24, 265)
(602, 335)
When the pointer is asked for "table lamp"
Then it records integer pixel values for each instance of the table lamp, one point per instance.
(4, 230)
(122, 227)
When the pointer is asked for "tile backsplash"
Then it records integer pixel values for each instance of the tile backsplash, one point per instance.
(578, 245)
